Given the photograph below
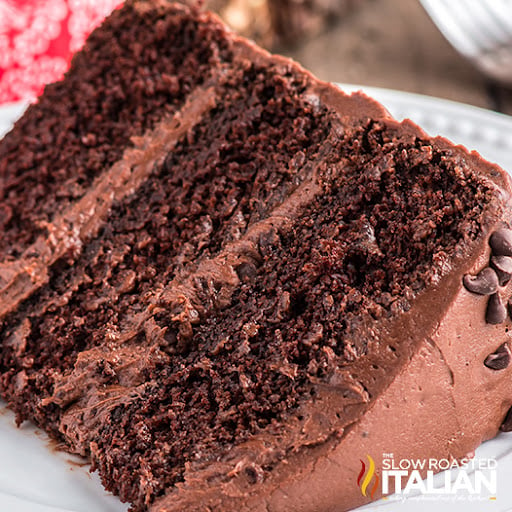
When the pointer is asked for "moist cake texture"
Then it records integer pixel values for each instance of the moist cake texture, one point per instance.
(224, 282)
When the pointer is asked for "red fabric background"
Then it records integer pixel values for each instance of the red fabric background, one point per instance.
(38, 38)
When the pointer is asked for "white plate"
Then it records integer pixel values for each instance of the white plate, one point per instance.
(36, 478)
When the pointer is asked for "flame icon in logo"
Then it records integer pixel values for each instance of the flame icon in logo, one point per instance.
(368, 478)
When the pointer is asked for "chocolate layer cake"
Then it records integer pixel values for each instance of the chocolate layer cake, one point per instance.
(225, 282)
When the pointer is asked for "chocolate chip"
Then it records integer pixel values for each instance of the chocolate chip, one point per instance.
(499, 359)
(485, 283)
(506, 426)
(503, 267)
(496, 311)
(501, 242)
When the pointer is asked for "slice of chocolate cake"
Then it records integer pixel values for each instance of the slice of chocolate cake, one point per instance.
(226, 282)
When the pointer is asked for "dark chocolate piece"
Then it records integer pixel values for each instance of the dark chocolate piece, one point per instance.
(496, 310)
(503, 267)
(501, 242)
(484, 283)
(506, 426)
(500, 359)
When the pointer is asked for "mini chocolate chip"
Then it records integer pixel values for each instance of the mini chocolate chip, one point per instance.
(485, 283)
(499, 359)
(503, 267)
(506, 426)
(496, 311)
(501, 242)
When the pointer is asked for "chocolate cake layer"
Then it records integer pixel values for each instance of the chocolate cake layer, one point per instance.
(257, 274)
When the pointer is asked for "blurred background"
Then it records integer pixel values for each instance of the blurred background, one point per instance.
(384, 43)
